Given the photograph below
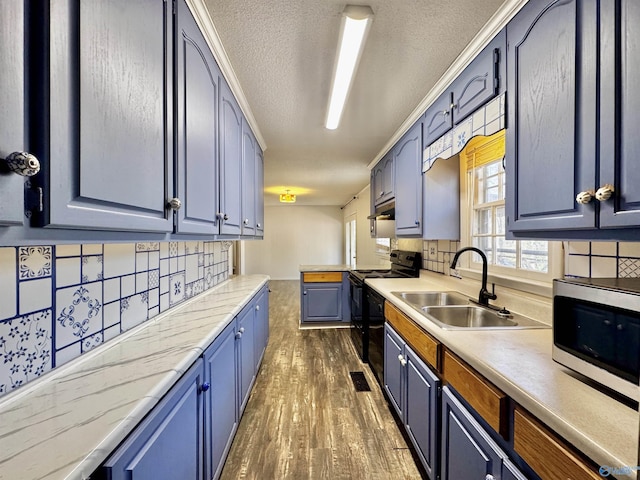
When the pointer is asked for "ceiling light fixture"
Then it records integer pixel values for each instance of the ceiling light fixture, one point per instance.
(356, 20)
(288, 197)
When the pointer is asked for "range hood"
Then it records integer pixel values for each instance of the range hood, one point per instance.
(385, 211)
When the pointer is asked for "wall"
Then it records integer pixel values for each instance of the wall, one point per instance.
(60, 301)
(295, 235)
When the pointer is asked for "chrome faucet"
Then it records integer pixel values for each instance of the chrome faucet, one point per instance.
(484, 296)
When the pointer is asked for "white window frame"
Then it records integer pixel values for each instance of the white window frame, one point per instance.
(525, 280)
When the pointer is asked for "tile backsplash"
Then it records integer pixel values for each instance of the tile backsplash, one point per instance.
(602, 259)
(58, 302)
(437, 255)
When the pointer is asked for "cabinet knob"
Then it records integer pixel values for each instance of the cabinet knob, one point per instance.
(585, 197)
(445, 112)
(304, 293)
(417, 222)
(22, 163)
(222, 216)
(381, 193)
(205, 386)
(257, 307)
(604, 193)
(241, 330)
(238, 335)
(489, 477)
(403, 362)
(174, 204)
(259, 225)
(246, 221)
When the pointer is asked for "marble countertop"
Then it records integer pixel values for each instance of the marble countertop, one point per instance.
(65, 424)
(519, 363)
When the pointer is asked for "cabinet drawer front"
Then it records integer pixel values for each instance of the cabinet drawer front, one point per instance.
(547, 454)
(425, 346)
(484, 397)
(321, 277)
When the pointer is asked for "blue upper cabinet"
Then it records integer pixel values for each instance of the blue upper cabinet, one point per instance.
(198, 80)
(110, 145)
(551, 138)
(407, 160)
(383, 180)
(230, 163)
(483, 79)
(12, 96)
(619, 114)
(248, 181)
(563, 122)
(480, 81)
(259, 191)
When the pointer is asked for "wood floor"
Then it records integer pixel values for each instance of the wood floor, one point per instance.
(305, 420)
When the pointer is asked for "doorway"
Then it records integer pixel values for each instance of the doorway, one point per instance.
(350, 241)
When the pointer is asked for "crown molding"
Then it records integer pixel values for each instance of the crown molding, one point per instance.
(207, 26)
(493, 26)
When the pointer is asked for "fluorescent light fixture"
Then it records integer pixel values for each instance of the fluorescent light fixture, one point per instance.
(356, 20)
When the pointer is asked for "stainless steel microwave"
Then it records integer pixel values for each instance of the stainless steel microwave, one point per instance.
(596, 330)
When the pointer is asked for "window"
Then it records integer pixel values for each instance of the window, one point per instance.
(484, 219)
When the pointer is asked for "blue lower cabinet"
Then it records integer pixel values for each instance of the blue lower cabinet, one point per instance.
(413, 389)
(261, 325)
(221, 404)
(168, 443)
(247, 365)
(468, 452)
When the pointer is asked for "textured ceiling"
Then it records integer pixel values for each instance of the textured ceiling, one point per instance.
(283, 52)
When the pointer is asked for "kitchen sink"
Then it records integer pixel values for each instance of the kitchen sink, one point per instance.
(429, 299)
(454, 311)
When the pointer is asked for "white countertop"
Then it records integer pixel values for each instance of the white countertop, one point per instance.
(65, 424)
(519, 363)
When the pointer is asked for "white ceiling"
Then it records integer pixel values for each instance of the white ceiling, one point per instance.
(283, 53)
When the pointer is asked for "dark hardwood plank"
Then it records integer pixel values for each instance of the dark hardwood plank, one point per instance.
(304, 418)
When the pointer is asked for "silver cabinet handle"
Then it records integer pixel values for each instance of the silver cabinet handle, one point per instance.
(22, 163)
(604, 193)
(585, 197)
(222, 216)
(174, 204)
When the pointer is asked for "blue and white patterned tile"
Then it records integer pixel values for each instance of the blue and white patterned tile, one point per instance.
(154, 278)
(91, 342)
(209, 277)
(201, 259)
(8, 280)
(628, 267)
(173, 249)
(92, 268)
(35, 262)
(177, 288)
(134, 310)
(35, 295)
(68, 271)
(78, 313)
(25, 349)
(462, 134)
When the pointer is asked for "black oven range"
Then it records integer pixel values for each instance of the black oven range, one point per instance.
(367, 314)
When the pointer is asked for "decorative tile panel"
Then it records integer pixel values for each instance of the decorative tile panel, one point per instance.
(58, 302)
(602, 259)
(628, 267)
(437, 255)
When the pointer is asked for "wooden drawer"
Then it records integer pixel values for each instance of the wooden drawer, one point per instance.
(425, 346)
(321, 277)
(489, 401)
(550, 456)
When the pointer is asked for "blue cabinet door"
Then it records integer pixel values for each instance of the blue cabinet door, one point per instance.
(168, 443)
(394, 381)
(230, 162)
(551, 140)
(259, 191)
(197, 90)
(481, 80)
(408, 177)
(421, 411)
(468, 453)
(248, 181)
(261, 325)
(383, 180)
(247, 365)
(12, 100)
(322, 302)
(221, 405)
(438, 119)
(619, 113)
(110, 137)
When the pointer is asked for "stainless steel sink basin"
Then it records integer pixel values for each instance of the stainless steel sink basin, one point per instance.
(453, 311)
(429, 299)
(476, 317)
